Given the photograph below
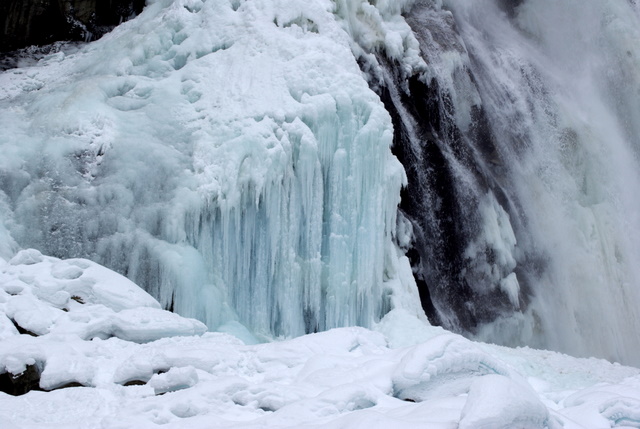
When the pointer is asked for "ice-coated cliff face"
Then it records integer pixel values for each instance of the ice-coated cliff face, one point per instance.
(228, 156)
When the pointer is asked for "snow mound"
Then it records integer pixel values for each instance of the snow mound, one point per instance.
(114, 359)
(496, 402)
(174, 379)
(50, 308)
(444, 362)
(59, 282)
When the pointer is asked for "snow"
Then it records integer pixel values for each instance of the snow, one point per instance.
(174, 379)
(405, 373)
(45, 295)
(496, 401)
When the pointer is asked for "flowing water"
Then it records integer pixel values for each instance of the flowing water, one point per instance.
(520, 140)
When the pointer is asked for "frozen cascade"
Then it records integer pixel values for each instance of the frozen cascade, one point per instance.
(519, 133)
(226, 155)
(229, 157)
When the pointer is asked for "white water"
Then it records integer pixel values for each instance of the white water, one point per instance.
(561, 84)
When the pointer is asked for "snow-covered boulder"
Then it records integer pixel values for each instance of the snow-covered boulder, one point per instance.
(51, 309)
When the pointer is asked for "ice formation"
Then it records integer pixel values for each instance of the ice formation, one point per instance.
(556, 83)
(228, 156)
(234, 159)
(517, 126)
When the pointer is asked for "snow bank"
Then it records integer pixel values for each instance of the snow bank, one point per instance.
(52, 310)
(152, 370)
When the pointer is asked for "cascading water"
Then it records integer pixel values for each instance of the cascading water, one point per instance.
(230, 158)
(520, 141)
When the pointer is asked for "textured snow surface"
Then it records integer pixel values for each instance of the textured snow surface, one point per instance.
(48, 296)
(149, 373)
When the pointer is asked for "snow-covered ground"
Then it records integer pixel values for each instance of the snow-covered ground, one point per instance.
(108, 357)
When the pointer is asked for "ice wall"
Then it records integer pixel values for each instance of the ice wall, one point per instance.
(225, 155)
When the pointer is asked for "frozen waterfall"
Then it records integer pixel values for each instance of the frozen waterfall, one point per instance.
(243, 162)
(227, 156)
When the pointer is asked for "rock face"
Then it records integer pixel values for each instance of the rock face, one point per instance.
(451, 195)
(27, 22)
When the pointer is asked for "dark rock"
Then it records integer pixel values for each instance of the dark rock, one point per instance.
(77, 299)
(135, 383)
(449, 172)
(67, 385)
(27, 22)
(21, 383)
(510, 6)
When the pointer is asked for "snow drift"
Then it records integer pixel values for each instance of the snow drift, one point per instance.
(100, 353)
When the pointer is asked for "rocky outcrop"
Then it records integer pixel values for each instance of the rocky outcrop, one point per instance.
(28, 22)
(22, 383)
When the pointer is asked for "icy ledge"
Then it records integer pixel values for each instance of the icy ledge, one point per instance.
(112, 358)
